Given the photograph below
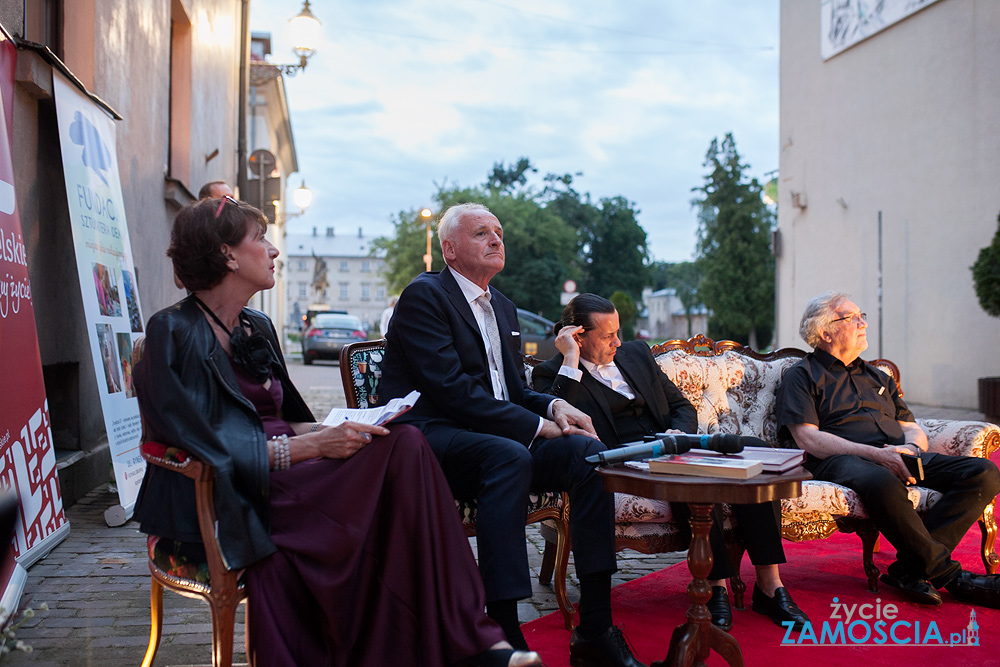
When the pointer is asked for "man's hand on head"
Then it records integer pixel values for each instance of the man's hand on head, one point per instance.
(571, 421)
(569, 346)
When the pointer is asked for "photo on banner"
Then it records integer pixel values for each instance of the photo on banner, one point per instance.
(107, 277)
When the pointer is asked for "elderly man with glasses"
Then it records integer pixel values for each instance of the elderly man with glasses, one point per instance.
(856, 431)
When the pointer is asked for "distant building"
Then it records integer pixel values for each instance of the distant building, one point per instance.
(666, 318)
(337, 270)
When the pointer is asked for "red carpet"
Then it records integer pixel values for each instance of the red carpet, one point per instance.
(817, 571)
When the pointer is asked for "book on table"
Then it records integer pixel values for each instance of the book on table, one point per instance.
(776, 460)
(706, 466)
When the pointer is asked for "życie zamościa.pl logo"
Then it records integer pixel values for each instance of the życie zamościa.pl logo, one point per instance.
(876, 625)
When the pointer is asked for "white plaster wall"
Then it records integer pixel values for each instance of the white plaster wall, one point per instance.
(906, 123)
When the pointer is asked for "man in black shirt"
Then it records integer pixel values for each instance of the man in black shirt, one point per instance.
(855, 428)
(627, 397)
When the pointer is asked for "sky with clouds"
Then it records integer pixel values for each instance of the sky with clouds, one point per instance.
(404, 95)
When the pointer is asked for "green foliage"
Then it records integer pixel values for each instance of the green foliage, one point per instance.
(986, 275)
(734, 237)
(626, 313)
(550, 236)
(618, 253)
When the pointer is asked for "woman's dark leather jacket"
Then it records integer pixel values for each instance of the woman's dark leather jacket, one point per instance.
(189, 398)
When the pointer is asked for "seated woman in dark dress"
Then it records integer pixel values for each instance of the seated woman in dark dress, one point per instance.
(352, 547)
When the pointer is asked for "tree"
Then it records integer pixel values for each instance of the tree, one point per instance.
(627, 311)
(618, 254)
(733, 250)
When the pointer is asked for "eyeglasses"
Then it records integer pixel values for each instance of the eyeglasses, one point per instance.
(854, 318)
(222, 202)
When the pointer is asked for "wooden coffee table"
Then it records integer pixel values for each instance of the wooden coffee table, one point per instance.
(691, 641)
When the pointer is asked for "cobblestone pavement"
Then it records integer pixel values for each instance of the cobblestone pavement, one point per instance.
(96, 582)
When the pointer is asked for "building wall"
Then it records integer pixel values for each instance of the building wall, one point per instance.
(121, 51)
(905, 124)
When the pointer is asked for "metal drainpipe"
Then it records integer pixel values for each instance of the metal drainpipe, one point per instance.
(242, 183)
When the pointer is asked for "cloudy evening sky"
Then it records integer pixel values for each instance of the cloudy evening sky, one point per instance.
(406, 94)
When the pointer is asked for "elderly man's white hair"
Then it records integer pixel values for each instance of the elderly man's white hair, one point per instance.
(820, 311)
(451, 217)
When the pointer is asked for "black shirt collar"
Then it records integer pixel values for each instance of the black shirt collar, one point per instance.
(829, 361)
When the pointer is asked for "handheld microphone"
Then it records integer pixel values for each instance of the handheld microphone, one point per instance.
(724, 443)
(662, 444)
(636, 451)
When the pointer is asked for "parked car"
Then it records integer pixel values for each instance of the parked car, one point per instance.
(328, 333)
(537, 338)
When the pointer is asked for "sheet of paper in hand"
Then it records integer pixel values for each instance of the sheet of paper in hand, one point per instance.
(376, 416)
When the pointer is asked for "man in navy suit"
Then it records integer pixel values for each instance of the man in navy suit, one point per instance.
(456, 340)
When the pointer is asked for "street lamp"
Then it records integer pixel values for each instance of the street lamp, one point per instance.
(427, 215)
(302, 197)
(305, 30)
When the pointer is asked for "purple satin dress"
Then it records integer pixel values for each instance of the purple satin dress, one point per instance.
(373, 566)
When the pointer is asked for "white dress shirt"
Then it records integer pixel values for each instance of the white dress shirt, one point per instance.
(607, 374)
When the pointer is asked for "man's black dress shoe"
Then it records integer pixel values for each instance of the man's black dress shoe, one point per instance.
(916, 589)
(979, 589)
(718, 607)
(780, 608)
(607, 650)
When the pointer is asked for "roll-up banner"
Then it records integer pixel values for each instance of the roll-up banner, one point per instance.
(107, 277)
(27, 457)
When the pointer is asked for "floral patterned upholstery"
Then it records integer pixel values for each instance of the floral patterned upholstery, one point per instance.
(733, 389)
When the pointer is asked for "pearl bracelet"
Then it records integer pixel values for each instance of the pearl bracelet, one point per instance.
(282, 453)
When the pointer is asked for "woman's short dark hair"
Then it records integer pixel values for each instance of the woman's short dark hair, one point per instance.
(581, 310)
(197, 238)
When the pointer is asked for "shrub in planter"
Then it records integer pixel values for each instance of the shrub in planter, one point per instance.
(986, 278)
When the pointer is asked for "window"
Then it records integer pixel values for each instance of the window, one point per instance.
(303, 291)
(366, 292)
(343, 291)
(365, 266)
(343, 266)
(300, 265)
(380, 292)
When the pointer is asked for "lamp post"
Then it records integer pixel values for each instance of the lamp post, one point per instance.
(427, 215)
(306, 32)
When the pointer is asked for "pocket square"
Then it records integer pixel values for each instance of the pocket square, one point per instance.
(515, 333)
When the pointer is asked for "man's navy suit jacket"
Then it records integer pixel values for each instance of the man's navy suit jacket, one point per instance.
(434, 346)
(668, 405)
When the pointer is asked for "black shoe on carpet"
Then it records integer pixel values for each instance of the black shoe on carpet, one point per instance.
(916, 589)
(719, 608)
(978, 589)
(780, 608)
(607, 650)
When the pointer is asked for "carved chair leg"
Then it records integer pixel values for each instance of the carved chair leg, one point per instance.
(988, 527)
(869, 538)
(223, 622)
(562, 565)
(155, 621)
(549, 532)
(736, 584)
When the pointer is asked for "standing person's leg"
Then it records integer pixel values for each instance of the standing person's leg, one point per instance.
(496, 472)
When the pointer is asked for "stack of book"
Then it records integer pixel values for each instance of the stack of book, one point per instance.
(750, 462)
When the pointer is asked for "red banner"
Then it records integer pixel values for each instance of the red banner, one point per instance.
(27, 457)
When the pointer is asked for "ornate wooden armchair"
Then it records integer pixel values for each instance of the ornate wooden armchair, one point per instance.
(360, 372)
(223, 590)
(211, 581)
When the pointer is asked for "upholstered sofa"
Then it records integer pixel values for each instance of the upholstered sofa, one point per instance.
(733, 389)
